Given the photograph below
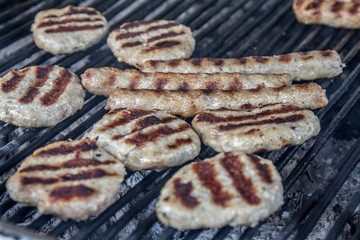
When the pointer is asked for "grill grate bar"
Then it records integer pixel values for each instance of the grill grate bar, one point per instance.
(167, 233)
(145, 225)
(346, 166)
(39, 222)
(193, 234)
(7, 14)
(347, 213)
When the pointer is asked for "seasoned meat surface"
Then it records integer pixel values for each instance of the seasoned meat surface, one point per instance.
(103, 81)
(73, 180)
(39, 96)
(232, 188)
(68, 30)
(266, 128)
(146, 139)
(189, 103)
(139, 41)
(300, 65)
(336, 13)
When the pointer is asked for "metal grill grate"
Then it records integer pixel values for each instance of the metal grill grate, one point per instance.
(222, 29)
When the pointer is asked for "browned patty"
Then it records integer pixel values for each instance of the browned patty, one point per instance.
(336, 13)
(73, 180)
(39, 96)
(189, 103)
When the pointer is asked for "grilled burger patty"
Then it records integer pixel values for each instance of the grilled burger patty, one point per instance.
(189, 103)
(146, 139)
(269, 127)
(103, 81)
(39, 96)
(69, 29)
(139, 41)
(232, 188)
(301, 65)
(336, 13)
(73, 180)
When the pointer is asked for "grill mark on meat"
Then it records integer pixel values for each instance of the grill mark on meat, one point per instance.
(183, 192)
(165, 35)
(354, 9)
(212, 85)
(307, 58)
(72, 11)
(196, 61)
(59, 86)
(84, 175)
(73, 163)
(52, 23)
(207, 175)
(126, 117)
(336, 8)
(66, 149)
(179, 142)
(11, 84)
(164, 26)
(162, 44)
(117, 137)
(136, 24)
(242, 61)
(315, 7)
(285, 58)
(327, 53)
(262, 168)
(160, 83)
(217, 62)
(66, 193)
(131, 44)
(150, 121)
(252, 131)
(41, 76)
(184, 87)
(141, 139)
(242, 184)
(73, 28)
(260, 86)
(292, 118)
(172, 63)
(111, 80)
(128, 35)
(236, 85)
(134, 82)
(208, 117)
(260, 59)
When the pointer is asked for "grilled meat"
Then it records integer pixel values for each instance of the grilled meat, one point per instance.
(146, 139)
(73, 180)
(139, 41)
(301, 65)
(39, 96)
(69, 29)
(270, 127)
(336, 13)
(189, 103)
(103, 81)
(232, 188)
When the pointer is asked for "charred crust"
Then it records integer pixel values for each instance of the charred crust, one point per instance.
(160, 83)
(163, 45)
(243, 185)
(179, 142)
(236, 85)
(126, 116)
(63, 149)
(285, 58)
(174, 62)
(262, 168)
(184, 87)
(196, 61)
(183, 193)
(292, 118)
(165, 35)
(217, 61)
(52, 23)
(212, 85)
(260, 59)
(131, 44)
(151, 121)
(11, 84)
(242, 60)
(73, 28)
(327, 53)
(207, 175)
(65, 193)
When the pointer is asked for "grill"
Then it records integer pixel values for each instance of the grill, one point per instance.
(321, 177)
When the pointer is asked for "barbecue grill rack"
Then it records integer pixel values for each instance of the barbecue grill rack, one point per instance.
(320, 177)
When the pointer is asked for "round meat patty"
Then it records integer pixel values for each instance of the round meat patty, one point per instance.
(39, 96)
(68, 30)
(74, 180)
(146, 139)
(140, 41)
(232, 188)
